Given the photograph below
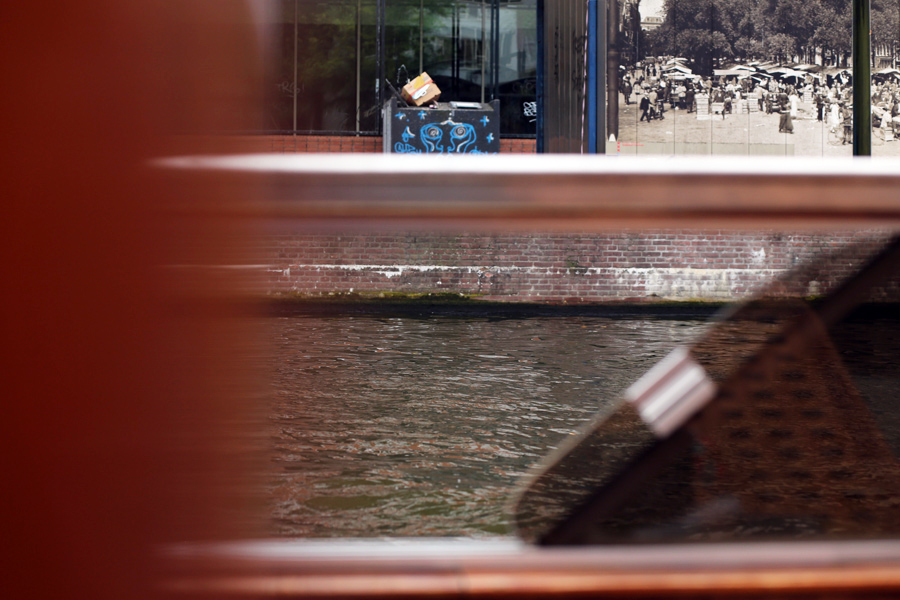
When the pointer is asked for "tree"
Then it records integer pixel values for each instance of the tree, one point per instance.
(833, 33)
(708, 31)
(321, 75)
(698, 31)
(885, 25)
(781, 47)
(658, 42)
(631, 43)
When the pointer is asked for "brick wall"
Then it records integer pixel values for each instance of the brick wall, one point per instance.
(629, 266)
(335, 143)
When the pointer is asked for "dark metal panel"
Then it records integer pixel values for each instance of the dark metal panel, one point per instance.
(592, 76)
(602, 78)
(566, 36)
(612, 67)
(541, 75)
(495, 49)
(862, 90)
(380, 9)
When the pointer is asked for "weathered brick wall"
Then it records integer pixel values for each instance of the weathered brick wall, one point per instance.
(627, 266)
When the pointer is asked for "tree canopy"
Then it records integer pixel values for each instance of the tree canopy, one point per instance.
(708, 32)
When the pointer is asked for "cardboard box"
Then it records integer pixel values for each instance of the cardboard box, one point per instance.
(421, 91)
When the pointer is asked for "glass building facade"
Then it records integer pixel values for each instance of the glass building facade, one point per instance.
(702, 77)
(332, 57)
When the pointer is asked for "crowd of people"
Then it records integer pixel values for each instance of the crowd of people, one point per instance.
(654, 88)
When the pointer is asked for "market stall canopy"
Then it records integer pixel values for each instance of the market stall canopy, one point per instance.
(683, 76)
(729, 72)
(886, 73)
(786, 73)
(676, 67)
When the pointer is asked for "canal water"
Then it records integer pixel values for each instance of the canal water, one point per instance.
(395, 426)
(423, 426)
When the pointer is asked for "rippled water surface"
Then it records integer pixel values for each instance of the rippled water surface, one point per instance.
(423, 426)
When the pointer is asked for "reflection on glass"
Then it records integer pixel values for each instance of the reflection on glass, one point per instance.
(789, 444)
(452, 40)
(694, 76)
(747, 77)
(322, 70)
(322, 52)
(517, 75)
(446, 39)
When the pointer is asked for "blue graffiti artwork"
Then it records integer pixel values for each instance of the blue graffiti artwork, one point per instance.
(405, 147)
(449, 137)
(442, 129)
(401, 148)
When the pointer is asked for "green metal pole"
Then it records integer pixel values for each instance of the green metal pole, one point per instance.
(862, 80)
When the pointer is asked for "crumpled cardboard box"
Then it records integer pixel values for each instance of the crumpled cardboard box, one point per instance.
(421, 91)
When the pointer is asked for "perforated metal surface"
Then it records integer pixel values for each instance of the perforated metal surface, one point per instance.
(790, 438)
